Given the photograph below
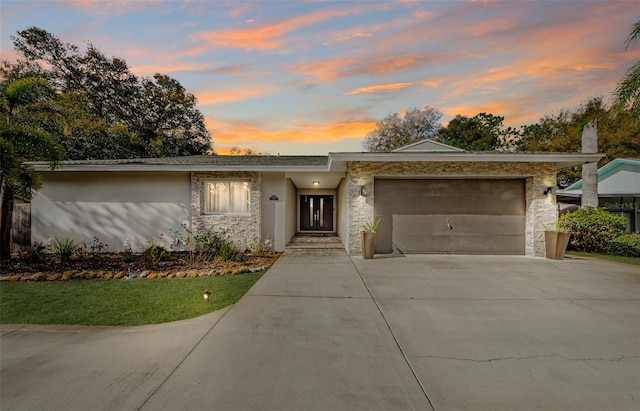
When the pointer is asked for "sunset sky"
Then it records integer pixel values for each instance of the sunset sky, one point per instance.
(312, 77)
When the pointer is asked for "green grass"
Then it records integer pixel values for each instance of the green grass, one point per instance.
(118, 302)
(616, 258)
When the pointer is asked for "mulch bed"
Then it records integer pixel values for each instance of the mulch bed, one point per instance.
(112, 266)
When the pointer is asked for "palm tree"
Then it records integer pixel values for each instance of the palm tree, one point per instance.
(627, 93)
(20, 143)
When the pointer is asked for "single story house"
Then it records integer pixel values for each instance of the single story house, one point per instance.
(618, 191)
(431, 198)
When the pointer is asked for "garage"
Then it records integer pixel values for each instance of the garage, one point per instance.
(452, 216)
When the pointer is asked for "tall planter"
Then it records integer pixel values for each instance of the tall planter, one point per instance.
(556, 244)
(368, 244)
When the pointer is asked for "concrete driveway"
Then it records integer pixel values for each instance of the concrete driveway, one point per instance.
(322, 331)
(514, 333)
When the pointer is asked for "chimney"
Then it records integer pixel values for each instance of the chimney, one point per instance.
(590, 170)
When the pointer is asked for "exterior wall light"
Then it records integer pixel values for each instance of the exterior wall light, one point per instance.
(362, 192)
(316, 183)
(548, 191)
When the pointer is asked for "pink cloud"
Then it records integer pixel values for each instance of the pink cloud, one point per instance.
(234, 94)
(262, 36)
(379, 88)
(374, 64)
(112, 7)
(238, 133)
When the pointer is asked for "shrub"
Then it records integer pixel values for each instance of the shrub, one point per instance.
(227, 250)
(204, 247)
(627, 245)
(154, 253)
(263, 246)
(127, 254)
(592, 228)
(65, 248)
(97, 246)
(35, 252)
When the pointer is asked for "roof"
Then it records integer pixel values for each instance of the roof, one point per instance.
(429, 146)
(194, 163)
(620, 177)
(334, 162)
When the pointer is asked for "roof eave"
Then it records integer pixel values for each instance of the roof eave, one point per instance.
(176, 168)
(561, 160)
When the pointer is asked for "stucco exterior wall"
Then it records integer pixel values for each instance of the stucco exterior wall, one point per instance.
(244, 229)
(291, 211)
(540, 209)
(273, 184)
(112, 206)
(343, 212)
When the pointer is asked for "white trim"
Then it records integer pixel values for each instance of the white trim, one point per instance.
(409, 147)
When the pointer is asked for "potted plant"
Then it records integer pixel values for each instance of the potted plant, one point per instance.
(555, 242)
(369, 238)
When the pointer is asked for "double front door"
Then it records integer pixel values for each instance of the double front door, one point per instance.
(316, 213)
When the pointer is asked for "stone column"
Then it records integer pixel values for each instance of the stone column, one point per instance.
(590, 170)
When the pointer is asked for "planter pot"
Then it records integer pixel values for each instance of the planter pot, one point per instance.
(556, 244)
(368, 244)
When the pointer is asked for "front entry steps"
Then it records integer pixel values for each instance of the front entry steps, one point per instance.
(310, 241)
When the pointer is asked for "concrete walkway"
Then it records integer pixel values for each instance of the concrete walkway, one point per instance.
(322, 331)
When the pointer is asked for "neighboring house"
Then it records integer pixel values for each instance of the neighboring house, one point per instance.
(618, 191)
(432, 198)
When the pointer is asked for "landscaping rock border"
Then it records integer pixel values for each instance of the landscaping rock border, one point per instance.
(121, 275)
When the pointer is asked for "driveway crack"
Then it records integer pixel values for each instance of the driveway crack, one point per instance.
(395, 338)
(529, 357)
(183, 360)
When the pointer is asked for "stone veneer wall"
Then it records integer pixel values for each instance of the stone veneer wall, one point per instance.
(541, 211)
(244, 229)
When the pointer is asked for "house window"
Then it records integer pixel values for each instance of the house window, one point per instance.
(227, 196)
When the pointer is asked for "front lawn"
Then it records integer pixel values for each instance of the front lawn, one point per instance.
(118, 302)
(617, 258)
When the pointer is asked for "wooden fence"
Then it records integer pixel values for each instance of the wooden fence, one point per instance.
(21, 229)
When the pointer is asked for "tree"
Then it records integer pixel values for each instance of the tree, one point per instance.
(101, 97)
(84, 136)
(20, 143)
(618, 136)
(482, 132)
(239, 151)
(627, 93)
(395, 131)
(170, 121)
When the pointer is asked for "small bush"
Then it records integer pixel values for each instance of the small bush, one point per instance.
(592, 228)
(154, 253)
(626, 245)
(35, 252)
(65, 248)
(263, 246)
(205, 246)
(97, 247)
(227, 250)
(127, 254)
